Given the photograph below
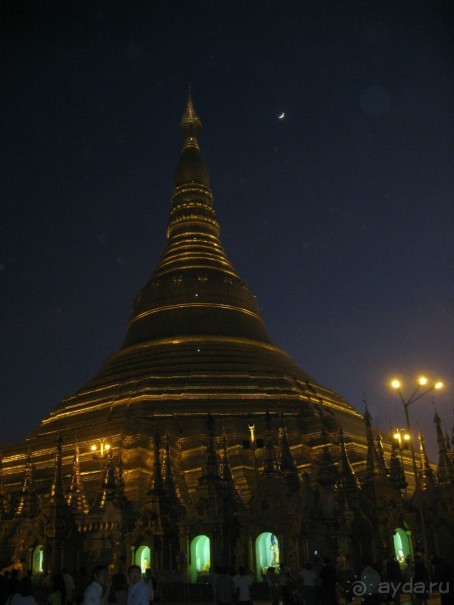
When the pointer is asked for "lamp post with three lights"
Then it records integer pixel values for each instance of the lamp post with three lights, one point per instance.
(423, 387)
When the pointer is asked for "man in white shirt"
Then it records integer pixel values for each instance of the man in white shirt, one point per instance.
(242, 586)
(70, 586)
(151, 583)
(97, 593)
(138, 591)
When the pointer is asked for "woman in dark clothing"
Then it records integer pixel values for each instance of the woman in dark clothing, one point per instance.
(444, 577)
(58, 594)
(420, 580)
(328, 579)
(285, 582)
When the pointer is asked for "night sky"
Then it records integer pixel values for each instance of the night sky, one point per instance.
(339, 216)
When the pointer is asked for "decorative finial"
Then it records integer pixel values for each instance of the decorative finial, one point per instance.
(190, 122)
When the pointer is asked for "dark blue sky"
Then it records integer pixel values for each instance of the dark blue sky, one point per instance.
(339, 216)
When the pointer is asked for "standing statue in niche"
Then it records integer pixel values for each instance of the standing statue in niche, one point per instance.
(145, 565)
(274, 548)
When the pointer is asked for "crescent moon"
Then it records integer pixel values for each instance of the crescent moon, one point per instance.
(281, 116)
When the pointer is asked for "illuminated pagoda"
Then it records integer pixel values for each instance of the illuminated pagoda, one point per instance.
(199, 443)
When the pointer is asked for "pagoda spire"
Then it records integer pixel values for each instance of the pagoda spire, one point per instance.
(427, 477)
(4, 508)
(448, 447)
(171, 488)
(194, 290)
(270, 463)
(167, 475)
(156, 482)
(396, 471)
(28, 505)
(373, 467)
(120, 480)
(109, 490)
(327, 473)
(211, 466)
(190, 124)
(225, 472)
(57, 490)
(445, 465)
(381, 455)
(76, 497)
(347, 476)
(158, 501)
(193, 231)
(285, 459)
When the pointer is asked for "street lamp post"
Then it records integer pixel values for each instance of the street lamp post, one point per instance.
(100, 449)
(422, 389)
(403, 438)
(417, 394)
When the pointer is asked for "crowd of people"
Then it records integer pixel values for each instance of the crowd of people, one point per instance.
(328, 582)
(132, 588)
(319, 582)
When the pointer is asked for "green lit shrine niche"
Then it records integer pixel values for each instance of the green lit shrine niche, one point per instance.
(143, 558)
(37, 560)
(200, 558)
(402, 545)
(267, 553)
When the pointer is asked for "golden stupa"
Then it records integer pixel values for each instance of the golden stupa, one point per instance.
(199, 426)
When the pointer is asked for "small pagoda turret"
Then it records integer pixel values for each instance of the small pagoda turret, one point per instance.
(270, 463)
(445, 470)
(348, 480)
(76, 497)
(427, 481)
(396, 471)
(108, 490)
(28, 500)
(4, 500)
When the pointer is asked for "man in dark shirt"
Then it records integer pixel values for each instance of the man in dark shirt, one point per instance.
(328, 581)
(224, 588)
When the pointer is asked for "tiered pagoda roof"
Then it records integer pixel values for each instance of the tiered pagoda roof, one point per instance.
(196, 340)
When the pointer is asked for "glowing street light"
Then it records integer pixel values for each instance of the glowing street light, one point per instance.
(403, 438)
(100, 449)
(423, 387)
(422, 381)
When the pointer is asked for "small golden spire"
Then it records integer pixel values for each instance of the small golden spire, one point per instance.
(190, 117)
